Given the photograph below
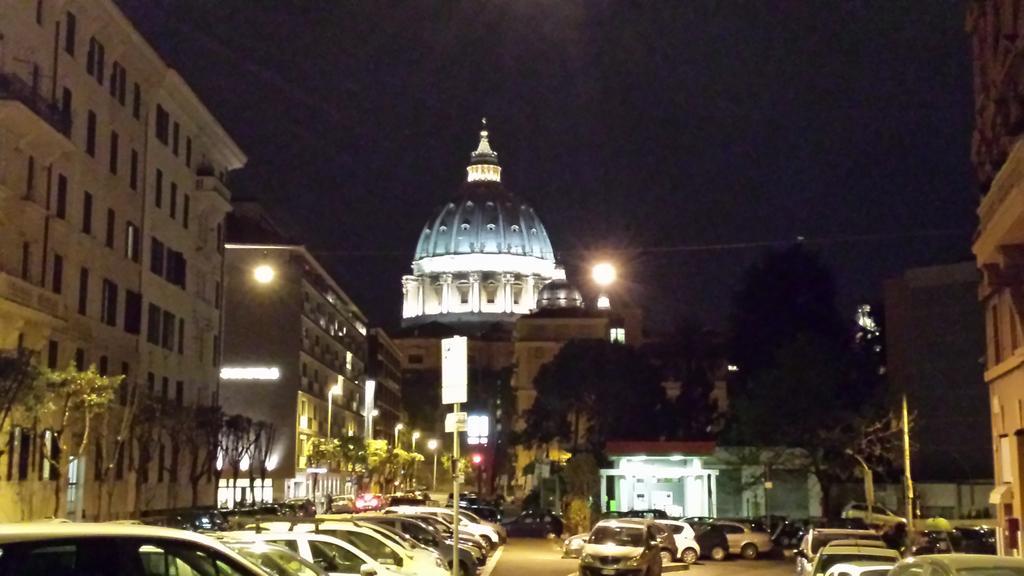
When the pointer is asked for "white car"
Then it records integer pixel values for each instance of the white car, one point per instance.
(960, 565)
(688, 551)
(488, 534)
(818, 538)
(100, 548)
(860, 568)
(387, 551)
(848, 551)
(880, 515)
(336, 557)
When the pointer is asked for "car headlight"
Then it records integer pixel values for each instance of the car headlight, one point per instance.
(635, 560)
(439, 562)
(587, 558)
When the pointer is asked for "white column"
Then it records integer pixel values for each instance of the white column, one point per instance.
(446, 293)
(506, 291)
(421, 294)
(474, 291)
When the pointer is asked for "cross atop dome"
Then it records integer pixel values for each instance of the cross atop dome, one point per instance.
(483, 163)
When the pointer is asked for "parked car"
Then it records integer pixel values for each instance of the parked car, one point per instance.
(200, 519)
(572, 547)
(846, 551)
(274, 560)
(336, 557)
(880, 515)
(818, 538)
(301, 507)
(974, 540)
(788, 534)
(534, 523)
(746, 538)
(367, 501)
(476, 543)
(648, 513)
(343, 504)
(960, 565)
(489, 513)
(621, 547)
(383, 549)
(669, 550)
(472, 524)
(930, 542)
(687, 548)
(713, 542)
(428, 536)
(105, 548)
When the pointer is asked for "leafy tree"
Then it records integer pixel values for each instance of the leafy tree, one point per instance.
(787, 294)
(801, 384)
(73, 399)
(114, 441)
(592, 391)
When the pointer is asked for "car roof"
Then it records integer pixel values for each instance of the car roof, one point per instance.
(29, 531)
(843, 532)
(631, 522)
(855, 542)
(960, 561)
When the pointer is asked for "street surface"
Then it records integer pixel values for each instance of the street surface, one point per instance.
(538, 557)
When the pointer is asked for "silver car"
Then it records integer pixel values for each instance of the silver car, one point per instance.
(745, 539)
(960, 565)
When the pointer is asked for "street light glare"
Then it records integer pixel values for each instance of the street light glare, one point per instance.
(431, 444)
(264, 274)
(399, 426)
(604, 274)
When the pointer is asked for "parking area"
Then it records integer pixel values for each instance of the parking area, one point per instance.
(538, 557)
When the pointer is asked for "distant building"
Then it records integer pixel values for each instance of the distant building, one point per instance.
(112, 197)
(935, 340)
(384, 367)
(294, 341)
(997, 152)
(560, 318)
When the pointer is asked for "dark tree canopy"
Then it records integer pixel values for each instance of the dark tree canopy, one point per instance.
(593, 391)
(788, 294)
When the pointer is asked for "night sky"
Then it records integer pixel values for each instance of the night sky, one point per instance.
(631, 127)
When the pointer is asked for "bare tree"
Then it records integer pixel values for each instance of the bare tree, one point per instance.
(17, 376)
(264, 436)
(201, 445)
(114, 441)
(237, 444)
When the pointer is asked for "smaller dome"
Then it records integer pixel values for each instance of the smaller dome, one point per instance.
(559, 294)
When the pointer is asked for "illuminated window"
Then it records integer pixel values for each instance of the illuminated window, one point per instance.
(617, 335)
(443, 229)
(515, 228)
(491, 226)
(491, 290)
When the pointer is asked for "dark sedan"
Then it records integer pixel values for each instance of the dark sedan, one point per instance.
(534, 523)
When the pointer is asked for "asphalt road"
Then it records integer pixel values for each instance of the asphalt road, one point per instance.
(537, 557)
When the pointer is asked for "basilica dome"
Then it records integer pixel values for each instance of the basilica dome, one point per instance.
(483, 256)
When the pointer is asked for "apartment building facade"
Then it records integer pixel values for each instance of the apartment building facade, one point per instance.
(295, 354)
(112, 202)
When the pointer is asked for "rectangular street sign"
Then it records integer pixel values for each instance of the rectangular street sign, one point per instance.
(453, 420)
(454, 371)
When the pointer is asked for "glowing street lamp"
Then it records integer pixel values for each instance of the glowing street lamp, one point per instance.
(415, 435)
(398, 427)
(264, 273)
(604, 274)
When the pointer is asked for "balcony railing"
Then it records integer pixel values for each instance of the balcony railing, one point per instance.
(30, 296)
(12, 87)
(211, 183)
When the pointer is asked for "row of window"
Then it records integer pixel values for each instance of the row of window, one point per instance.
(168, 133)
(167, 263)
(114, 155)
(164, 329)
(95, 66)
(158, 199)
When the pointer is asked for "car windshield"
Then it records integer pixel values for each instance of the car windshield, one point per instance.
(829, 560)
(279, 562)
(467, 515)
(617, 535)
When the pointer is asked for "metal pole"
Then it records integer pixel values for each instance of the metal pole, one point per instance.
(455, 495)
(330, 405)
(906, 465)
(433, 484)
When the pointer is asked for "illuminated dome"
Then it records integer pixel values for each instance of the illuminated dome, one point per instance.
(559, 294)
(483, 256)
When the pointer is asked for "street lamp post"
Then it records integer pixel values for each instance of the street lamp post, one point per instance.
(369, 433)
(432, 446)
(869, 486)
(336, 389)
(398, 427)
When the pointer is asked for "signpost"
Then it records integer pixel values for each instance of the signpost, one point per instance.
(454, 380)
